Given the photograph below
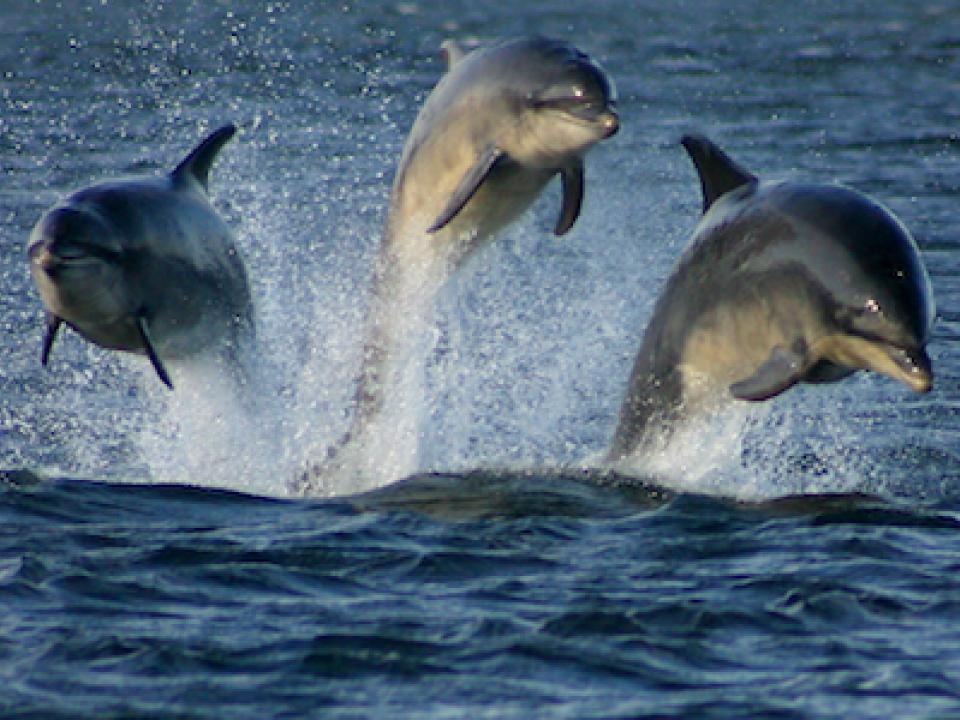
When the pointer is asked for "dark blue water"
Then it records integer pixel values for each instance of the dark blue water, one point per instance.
(473, 596)
(799, 561)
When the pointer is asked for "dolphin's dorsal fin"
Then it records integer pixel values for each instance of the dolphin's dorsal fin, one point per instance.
(718, 173)
(453, 52)
(468, 186)
(196, 165)
(571, 179)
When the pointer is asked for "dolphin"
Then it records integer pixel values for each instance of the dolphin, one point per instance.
(782, 283)
(503, 120)
(144, 265)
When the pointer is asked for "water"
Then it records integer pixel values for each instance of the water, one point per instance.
(152, 562)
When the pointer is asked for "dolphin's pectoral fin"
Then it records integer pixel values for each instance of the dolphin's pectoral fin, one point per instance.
(781, 371)
(468, 186)
(53, 325)
(571, 178)
(144, 331)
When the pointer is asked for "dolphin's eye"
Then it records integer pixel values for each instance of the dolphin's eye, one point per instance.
(869, 309)
(573, 100)
(867, 320)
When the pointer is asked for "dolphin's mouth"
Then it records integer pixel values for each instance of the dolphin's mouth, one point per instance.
(52, 258)
(606, 120)
(912, 367)
(610, 122)
(909, 365)
(47, 261)
(585, 111)
(50, 262)
(59, 268)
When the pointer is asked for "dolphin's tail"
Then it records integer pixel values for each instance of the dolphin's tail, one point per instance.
(368, 401)
(317, 476)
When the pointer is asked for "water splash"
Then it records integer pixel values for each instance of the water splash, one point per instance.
(812, 440)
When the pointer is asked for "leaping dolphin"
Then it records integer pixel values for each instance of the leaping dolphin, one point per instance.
(144, 265)
(502, 121)
(781, 283)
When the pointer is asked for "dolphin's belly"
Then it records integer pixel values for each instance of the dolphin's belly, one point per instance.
(431, 176)
(725, 352)
(172, 337)
(119, 335)
(506, 194)
(187, 309)
(87, 295)
(742, 325)
(182, 323)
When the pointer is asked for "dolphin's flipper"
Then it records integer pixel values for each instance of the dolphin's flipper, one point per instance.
(718, 173)
(151, 351)
(571, 178)
(53, 324)
(468, 186)
(782, 370)
(196, 166)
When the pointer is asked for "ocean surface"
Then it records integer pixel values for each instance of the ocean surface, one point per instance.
(799, 559)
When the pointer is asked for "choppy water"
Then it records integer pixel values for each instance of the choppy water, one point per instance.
(150, 563)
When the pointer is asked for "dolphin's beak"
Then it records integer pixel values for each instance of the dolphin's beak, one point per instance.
(43, 258)
(911, 366)
(610, 122)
